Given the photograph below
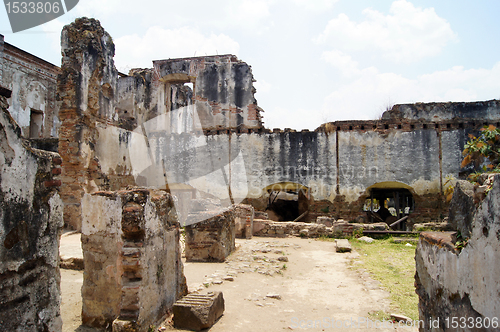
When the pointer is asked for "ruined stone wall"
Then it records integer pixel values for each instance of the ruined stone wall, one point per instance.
(442, 112)
(338, 165)
(335, 228)
(32, 82)
(133, 268)
(173, 126)
(462, 283)
(223, 92)
(30, 226)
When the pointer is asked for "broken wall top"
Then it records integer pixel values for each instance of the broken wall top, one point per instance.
(223, 92)
(88, 69)
(436, 112)
(168, 70)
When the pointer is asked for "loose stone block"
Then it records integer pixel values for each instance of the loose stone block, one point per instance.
(198, 311)
(366, 239)
(343, 245)
(211, 240)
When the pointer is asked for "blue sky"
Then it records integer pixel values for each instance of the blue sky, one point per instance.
(314, 60)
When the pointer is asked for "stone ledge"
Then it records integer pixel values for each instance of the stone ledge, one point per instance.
(444, 240)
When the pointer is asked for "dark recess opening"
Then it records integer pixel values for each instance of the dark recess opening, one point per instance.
(287, 201)
(36, 123)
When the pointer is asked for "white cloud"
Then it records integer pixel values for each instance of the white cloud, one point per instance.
(316, 5)
(248, 11)
(253, 16)
(249, 15)
(107, 7)
(343, 62)
(262, 86)
(407, 34)
(298, 119)
(460, 84)
(367, 96)
(53, 33)
(134, 51)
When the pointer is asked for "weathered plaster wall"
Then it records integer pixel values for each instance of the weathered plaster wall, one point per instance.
(32, 82)
(337, 166)
(132, 258)
(462, 284)
(366, 158)
(30, 225)
(304, 157)
(136, 100)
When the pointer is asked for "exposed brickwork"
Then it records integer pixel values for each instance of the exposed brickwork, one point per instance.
(85, 105)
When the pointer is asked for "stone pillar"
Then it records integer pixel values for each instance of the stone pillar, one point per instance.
(85, 94)
(133, 268)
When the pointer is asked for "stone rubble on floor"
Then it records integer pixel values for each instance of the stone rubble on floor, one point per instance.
(268, 258)
(366, 239)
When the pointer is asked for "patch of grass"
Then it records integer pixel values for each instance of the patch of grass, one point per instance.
(378, 315)
(393, 264)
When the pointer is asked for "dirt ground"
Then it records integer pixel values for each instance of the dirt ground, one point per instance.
(274, 284)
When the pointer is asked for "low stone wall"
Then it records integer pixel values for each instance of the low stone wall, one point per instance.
(132, 257)
(244, 215)
(30, 226)
(211, 240)
(338, 228)
(454, 284)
